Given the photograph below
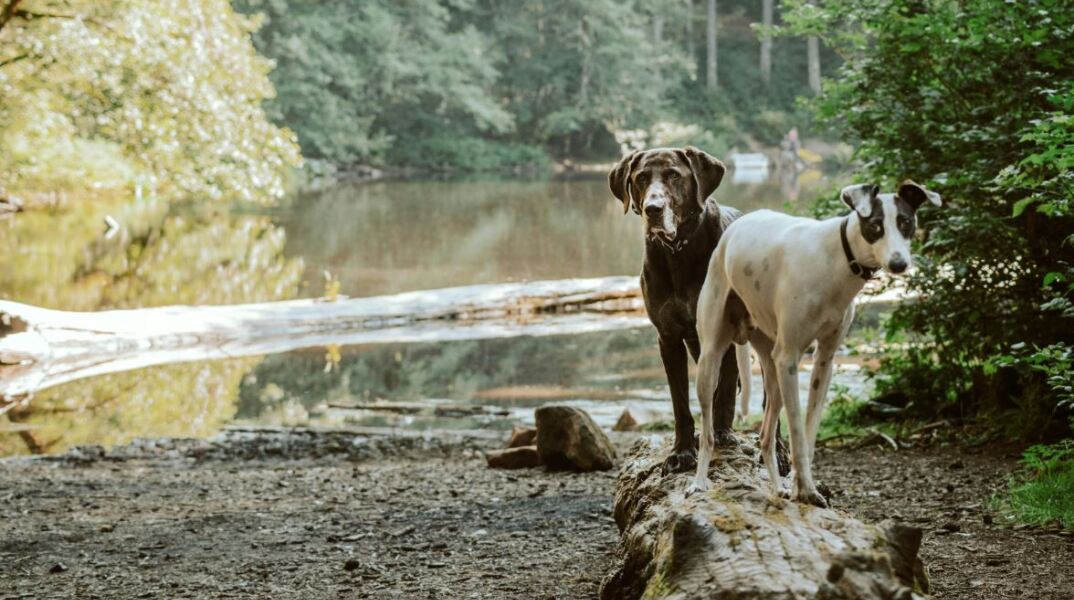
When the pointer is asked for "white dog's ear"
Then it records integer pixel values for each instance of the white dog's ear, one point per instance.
(859, 197)
(916, 194)
(619, 180)
(708, 172)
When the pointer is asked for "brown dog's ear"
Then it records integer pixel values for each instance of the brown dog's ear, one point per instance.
(916, 194)
(708, 172)
(619, 180)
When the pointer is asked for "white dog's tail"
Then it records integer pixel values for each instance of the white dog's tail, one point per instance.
(742, 353)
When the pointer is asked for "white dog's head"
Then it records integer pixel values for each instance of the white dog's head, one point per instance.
(887, 221)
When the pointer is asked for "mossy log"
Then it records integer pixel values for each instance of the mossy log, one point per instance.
(738, 541)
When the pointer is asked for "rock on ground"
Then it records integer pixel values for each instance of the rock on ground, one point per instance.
(737, 541)
(568, 439)
(522, 457)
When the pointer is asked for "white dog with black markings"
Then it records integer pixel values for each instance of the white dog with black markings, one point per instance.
(783, 283)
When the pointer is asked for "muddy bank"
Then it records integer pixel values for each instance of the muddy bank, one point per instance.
(300, 516)
(328, 515)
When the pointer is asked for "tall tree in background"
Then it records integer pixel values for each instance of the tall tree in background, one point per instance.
(766, 41)
(710, 46)
(813, 62)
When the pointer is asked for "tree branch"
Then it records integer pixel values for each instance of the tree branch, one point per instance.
(9, 12)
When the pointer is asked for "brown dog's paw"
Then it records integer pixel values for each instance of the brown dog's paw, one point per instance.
(679, 461)
(783, 459)
(813, 498)
(826, 491)
(725, 438)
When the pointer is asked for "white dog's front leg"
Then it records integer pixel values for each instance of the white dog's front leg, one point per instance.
(787, 372)
(818, 391)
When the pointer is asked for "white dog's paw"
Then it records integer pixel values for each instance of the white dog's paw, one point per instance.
(698, 485)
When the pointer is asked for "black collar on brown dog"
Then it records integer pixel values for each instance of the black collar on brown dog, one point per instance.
(856, 268)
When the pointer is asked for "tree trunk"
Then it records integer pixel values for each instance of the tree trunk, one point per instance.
(766, 41)
(813, 48)
(41, 348)
(710, 37)
(689, 34)
(736, 541)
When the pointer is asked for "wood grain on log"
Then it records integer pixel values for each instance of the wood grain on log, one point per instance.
(736, 541)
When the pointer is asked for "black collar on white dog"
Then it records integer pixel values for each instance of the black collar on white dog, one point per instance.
(865, 273)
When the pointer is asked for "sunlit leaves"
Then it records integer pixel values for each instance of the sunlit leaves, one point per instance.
(160, 94)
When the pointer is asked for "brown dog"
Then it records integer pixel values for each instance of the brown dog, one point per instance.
(670, 189)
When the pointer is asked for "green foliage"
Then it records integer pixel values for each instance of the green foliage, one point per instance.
(842, 416)
(163, 95)
(354, 76)
(1045, 493)
(974, 99)
(469, 153)
(483, 84)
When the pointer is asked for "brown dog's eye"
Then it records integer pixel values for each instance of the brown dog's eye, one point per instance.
(672, 175)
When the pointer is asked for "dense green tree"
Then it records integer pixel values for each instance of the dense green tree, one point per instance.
(976, 99)
(162, 95)
(354, 76)
(494, 83)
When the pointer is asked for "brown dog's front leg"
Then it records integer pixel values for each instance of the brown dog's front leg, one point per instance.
(683, 456)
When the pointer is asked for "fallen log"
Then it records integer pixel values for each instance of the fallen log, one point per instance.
(41, 348)
(736, 541)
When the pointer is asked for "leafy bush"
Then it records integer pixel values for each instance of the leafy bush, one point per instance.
(974, 99)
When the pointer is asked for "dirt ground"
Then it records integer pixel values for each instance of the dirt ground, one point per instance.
(339, 515)
(969, 549)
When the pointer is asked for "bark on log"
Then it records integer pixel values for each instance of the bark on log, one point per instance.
(40, 348)
(736, 541)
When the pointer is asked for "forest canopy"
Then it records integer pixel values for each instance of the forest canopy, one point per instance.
(486, 84)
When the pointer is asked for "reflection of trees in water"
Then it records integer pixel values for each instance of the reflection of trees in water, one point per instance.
(455, 370)
(161, 258)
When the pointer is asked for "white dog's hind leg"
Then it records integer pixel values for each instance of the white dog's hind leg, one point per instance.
(742, 353)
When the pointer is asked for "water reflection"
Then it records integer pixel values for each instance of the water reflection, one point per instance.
(376, 238)
(161, 257)
(387, 237)
(492, 383)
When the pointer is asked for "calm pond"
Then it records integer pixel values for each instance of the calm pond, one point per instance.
(372, 239)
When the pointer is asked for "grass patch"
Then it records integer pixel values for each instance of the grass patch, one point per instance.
(1044, 494)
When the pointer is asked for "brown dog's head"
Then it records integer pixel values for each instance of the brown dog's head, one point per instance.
(666, 186)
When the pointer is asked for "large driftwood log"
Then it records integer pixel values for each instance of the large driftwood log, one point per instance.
(40, 348)
(736, 541)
